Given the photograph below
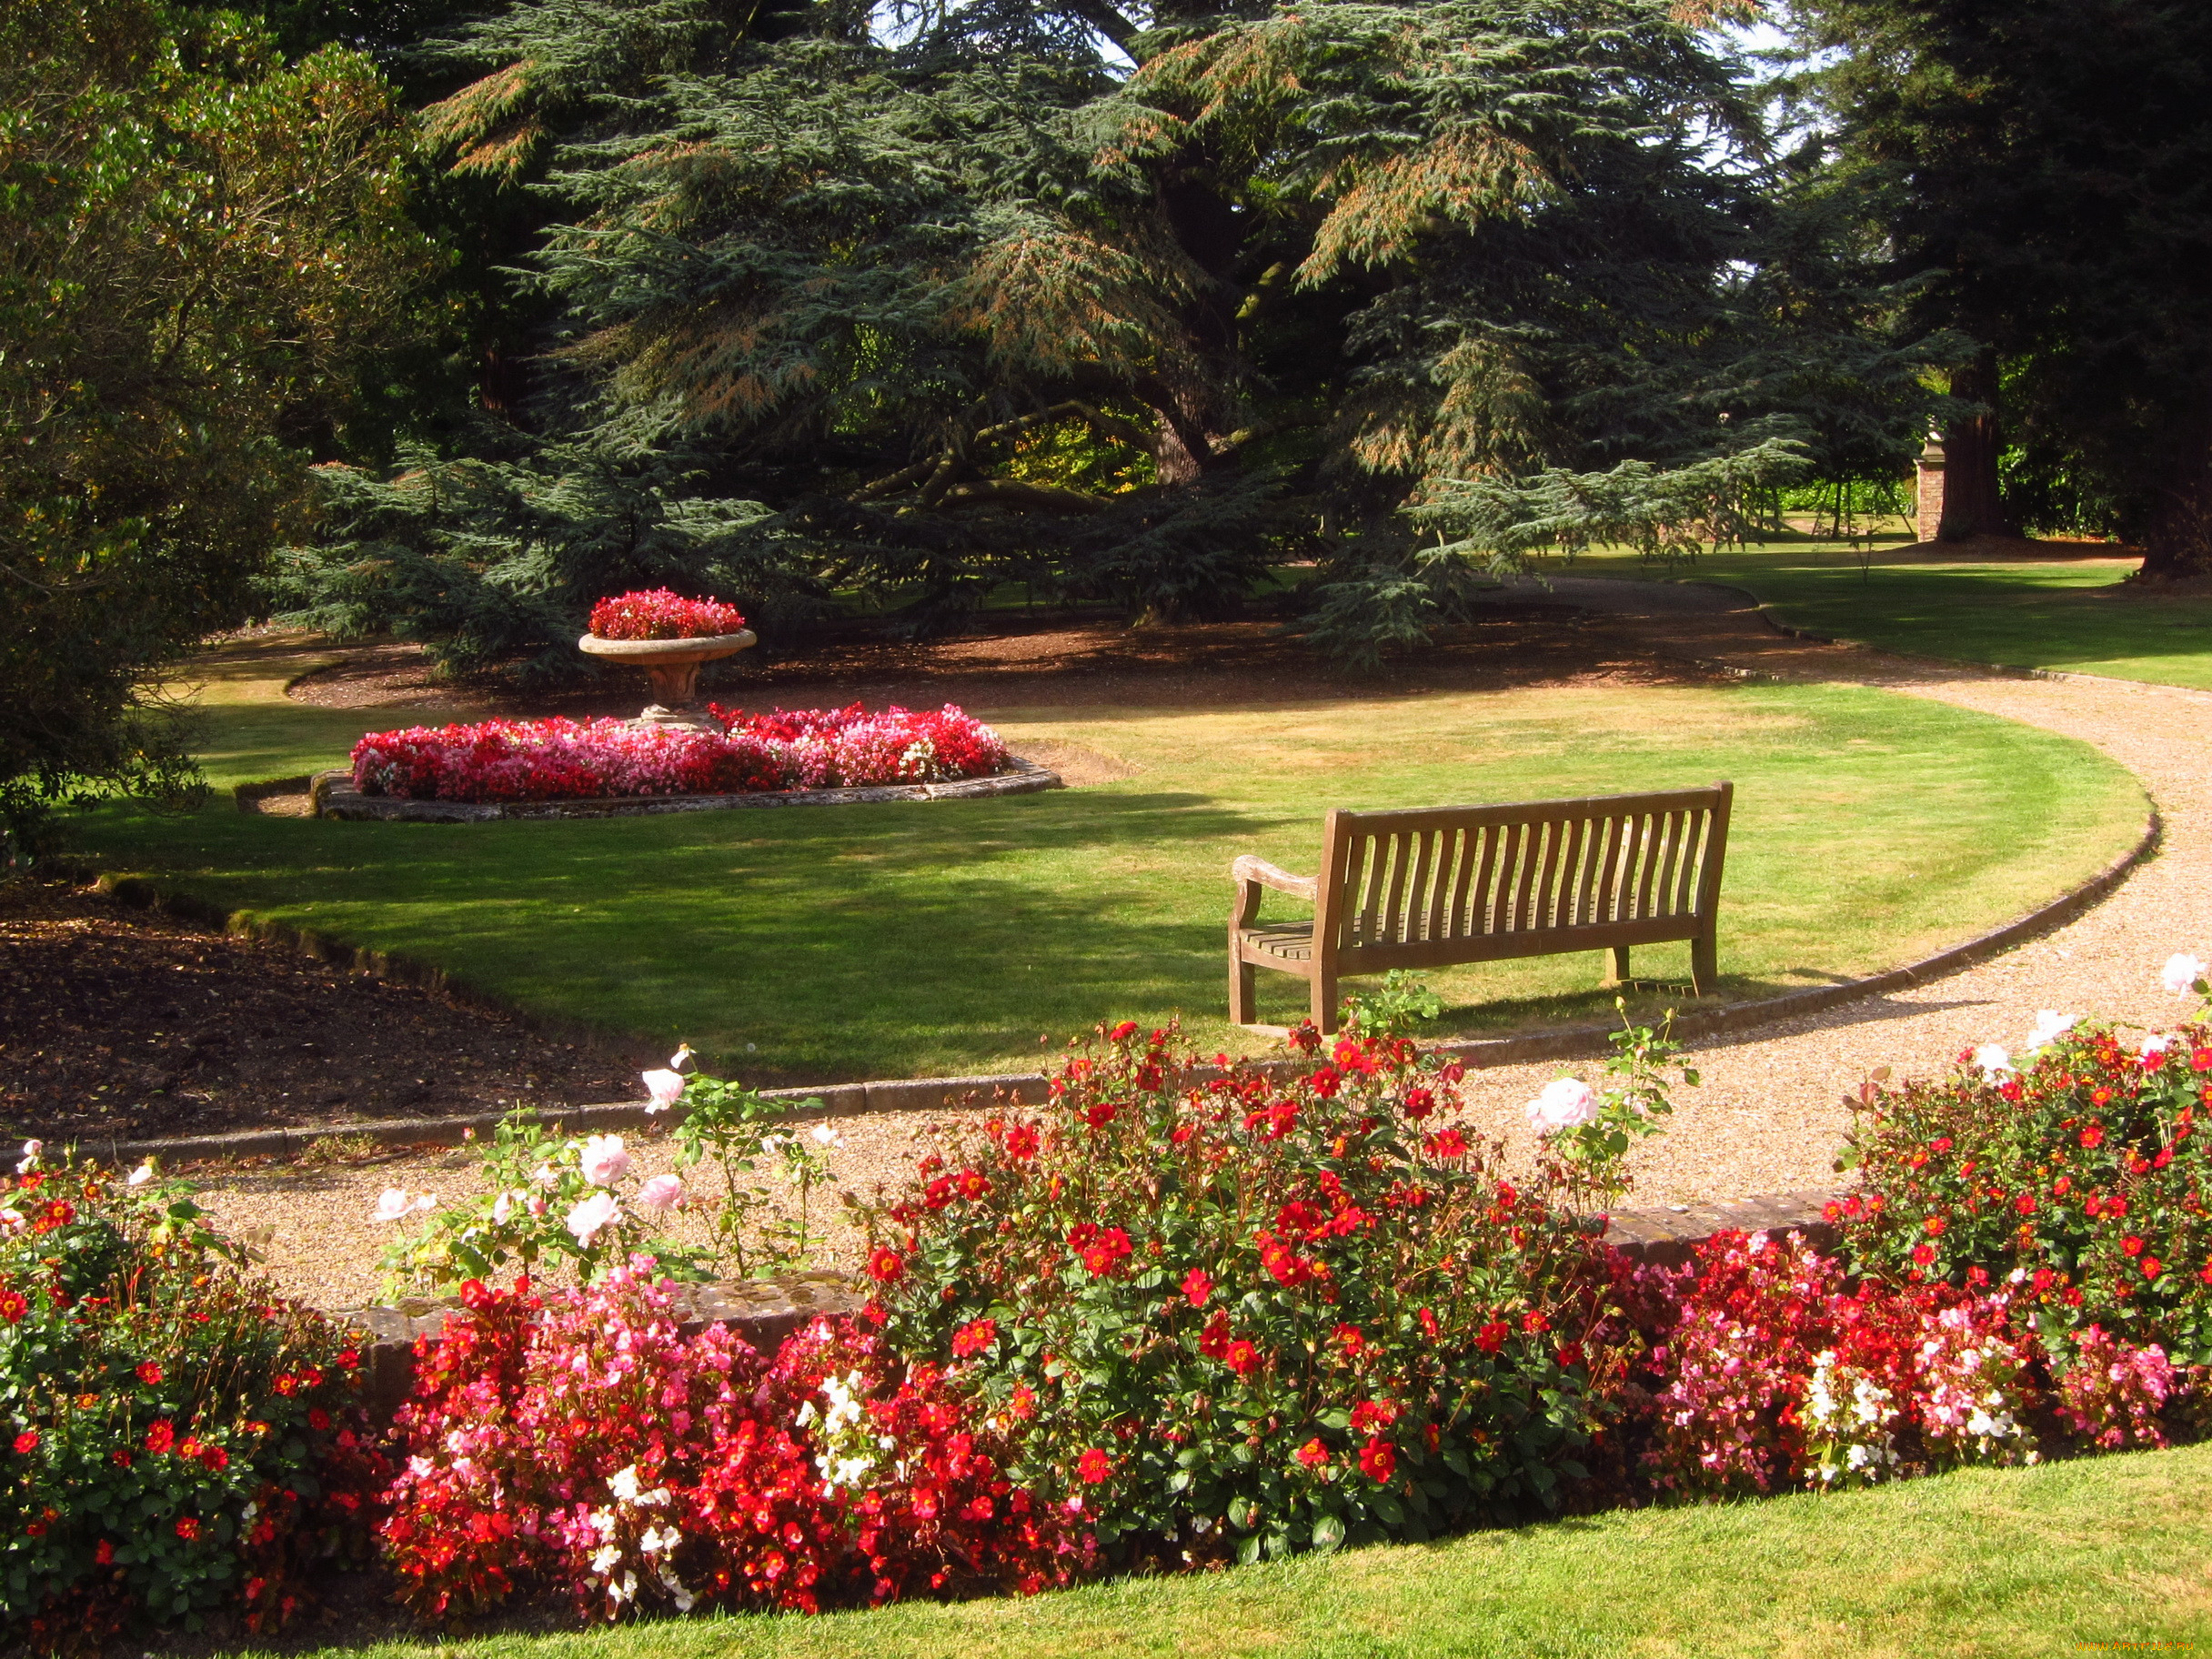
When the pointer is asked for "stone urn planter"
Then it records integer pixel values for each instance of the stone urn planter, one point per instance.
(673, 666)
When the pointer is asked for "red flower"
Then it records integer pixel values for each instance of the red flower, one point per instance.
(1094, 1466)
(1378, 1461)
(214, 1457)
(1108, 1250)
(2024, 1203)
(1924, 1254)
(150, 1374)
(1326, 1083)
(1941, 1143)
(2093, 1136)
(2062, 1186)
(886, 1265)
(1446, 1143)
(161, 1436)
(1197, 1287)
(12, 1306)
(1428, 1324)
(26, 1442)
(973, 1337)
(1350, 1339)
(1419, 1103)
(1241, 1357)
(2152, 1267)
(1935, 1225)
(1372, 1414)
(103, 1555)
(187, 1528)
(1122, 1032)
(2131, 1245)
(1491, 1336)
(2200, 1060)
(1534, 1321)
(1570, 1356)
(1313, 1454)
(973, 1184)
(1021, 1142)
(318, 1418)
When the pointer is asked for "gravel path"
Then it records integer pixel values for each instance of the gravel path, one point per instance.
(1770, 1113)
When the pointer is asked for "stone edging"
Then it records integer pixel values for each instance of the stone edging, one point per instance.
(765, 1311)
(334, 796)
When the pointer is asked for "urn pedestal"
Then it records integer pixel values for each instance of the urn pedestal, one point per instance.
(672, 666)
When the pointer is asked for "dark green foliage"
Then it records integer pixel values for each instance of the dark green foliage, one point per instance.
(2050, 163)
(193, 240)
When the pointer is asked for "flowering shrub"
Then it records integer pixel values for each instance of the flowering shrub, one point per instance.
(2078, 1164)
(503, 760)
(1235, 1314)
(660, 614)
(172, 1438)
(580, 1441)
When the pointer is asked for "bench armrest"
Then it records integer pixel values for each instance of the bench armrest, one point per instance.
(1251, 869)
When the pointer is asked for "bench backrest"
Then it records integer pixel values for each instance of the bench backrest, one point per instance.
(1430, 883)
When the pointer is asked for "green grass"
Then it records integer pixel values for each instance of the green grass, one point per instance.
(887, 941)
(2045, 611)
(2069, 1558)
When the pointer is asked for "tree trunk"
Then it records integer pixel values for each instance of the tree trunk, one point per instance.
(1970, 505)
(2176, 536)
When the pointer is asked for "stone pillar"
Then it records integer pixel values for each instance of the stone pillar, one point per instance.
(1927, 500)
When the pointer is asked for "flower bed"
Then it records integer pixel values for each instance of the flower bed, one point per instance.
(173, 1438)
(661, 614)
(549, 760)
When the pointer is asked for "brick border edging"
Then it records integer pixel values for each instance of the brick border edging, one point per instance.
(334, 797)
(766, 1311)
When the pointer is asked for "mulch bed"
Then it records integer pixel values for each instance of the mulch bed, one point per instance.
(122, 1022)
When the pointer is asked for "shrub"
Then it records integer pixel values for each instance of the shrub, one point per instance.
(173, 1438)
(578, 1442)
(555, 758)
(2076, 1172)
(661, 614)
(1237, 1313)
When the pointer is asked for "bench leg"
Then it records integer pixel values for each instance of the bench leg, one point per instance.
(1243, 991)
(1704, 966)
(1620, 965)
(1324, 1004)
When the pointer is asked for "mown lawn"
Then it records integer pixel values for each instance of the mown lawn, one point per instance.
(832, 943)
(2050, 611)
(2104, 1554)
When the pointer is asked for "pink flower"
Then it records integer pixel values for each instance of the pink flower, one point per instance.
(603, 1160)
(1566, 1103)
(589, 1216)
(661, 1193)
(664, 1086)
(2181, 973)
(396, 1202)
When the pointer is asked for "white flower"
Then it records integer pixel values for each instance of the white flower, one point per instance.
(2181, 973)
(31, 1149)
(1566, 1103)
(661, 1192)
(606, 1560)
(141, 1175)
(398, 1202)
(623, 1484)
(826, 1136)
(2050, 1025)
(681, 1058)
(2156, 1045)
(605, 1162)
(1992, 1059)
(664, 1087)
(546, 1178)
(587, 1217)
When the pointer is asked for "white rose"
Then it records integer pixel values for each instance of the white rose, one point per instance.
(1566, 1103)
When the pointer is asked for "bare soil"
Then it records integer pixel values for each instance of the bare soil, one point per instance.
(122, 1022)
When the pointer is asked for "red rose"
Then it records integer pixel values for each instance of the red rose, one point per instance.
(1378, 1461)
(1094, 1466)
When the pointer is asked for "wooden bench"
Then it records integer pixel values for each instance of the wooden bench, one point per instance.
(1444, 885)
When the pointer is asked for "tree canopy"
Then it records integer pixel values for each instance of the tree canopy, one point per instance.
(199, 235)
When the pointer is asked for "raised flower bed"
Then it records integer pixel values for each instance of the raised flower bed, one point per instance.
(560, 768)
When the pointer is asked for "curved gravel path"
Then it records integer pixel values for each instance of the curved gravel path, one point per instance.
(1770, 1114)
